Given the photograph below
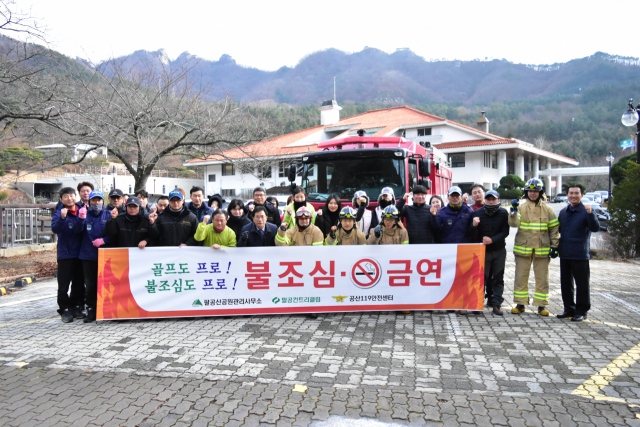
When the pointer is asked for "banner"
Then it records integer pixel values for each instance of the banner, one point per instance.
(627, 143)
(197, 281)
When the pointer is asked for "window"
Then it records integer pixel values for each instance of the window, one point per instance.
(457, 160)
(212, 177)
(494, 161)
(413, 173)
(424, 132)
(228, 169)
(164, 189)
(130, 189)
(487, 159)
(228, 193)
(511, 167)
(283, 169)
(264, 172)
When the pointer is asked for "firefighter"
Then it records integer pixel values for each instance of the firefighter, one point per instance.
(345, 233)
(391, 232)
(302, 234)
(536, 241)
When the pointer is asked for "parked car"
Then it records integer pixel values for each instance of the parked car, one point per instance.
(560, 198)
(602, 213)
(597, 197)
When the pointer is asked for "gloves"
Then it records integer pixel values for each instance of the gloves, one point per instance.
(244, 237)
(514, 205)
(283, 228)
(82, 213)
(553, 253)
(332, 233)
(377, 231)
(98, 242)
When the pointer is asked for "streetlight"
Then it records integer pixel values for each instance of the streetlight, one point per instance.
(610, 159)
(630, 118)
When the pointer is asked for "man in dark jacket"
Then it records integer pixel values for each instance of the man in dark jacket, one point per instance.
(260, 232)
(176, 226)
(197, 205)
(116, 200)
(131, 229)
(93, 237)
(577, 222)
(452, 222)
(260, 199)
(417, 216)
(67, 223)
(143, 196)
(490, 226)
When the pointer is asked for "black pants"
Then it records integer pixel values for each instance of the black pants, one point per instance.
(494, 275)
(575, 270)
(70, 272)
(90, 269)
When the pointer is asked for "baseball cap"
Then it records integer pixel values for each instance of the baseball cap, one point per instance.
(175, 193)
(96, 194)
(116, 193)
(453, 190)
(133, 201)
(493, 193)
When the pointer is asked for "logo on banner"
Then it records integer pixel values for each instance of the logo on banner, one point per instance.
(276, 300)
(196, 303)
(340, 298)
(366, 273)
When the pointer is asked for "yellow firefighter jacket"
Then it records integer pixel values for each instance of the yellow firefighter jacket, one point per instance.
(311, 236)
(538, 229)
(356, 237)
(390, 236)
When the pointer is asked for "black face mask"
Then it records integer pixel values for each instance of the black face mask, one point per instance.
(304, 227)
(298, 205)
(491, 209)
(384, 203)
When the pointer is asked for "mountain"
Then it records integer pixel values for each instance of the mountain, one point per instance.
(402, 77)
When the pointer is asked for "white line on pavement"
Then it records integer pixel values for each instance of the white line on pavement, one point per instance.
(621, 302)
(22, 301)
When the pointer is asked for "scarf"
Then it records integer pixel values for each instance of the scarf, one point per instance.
(491, 209)
(455, 208)
(333, 217)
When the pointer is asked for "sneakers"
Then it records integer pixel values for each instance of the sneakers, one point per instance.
(66, 316)
(542, 311)
(90, 317)
(77, 312)
(518, 309)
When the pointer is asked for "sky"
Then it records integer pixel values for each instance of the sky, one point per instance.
(270, 34)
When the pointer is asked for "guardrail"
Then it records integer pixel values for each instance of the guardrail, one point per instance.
(26, 224)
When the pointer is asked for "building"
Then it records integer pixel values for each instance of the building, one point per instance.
(75, 152)
(475, 155)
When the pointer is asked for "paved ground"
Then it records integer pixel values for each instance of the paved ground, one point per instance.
(337, 370)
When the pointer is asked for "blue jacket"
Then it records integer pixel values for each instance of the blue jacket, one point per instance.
(576, 226)
(200, 212)
(69, 231)
(93, 228)
(268, 239)
(452, 226)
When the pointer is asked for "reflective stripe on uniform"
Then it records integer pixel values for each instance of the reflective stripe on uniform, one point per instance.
(521, 294)
(542, 251)
(554, 222)
(284, 240)
(534, 225)
(405, 242)
(522, 250)
(317, 243)
(540, 296)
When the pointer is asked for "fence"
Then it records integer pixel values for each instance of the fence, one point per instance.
(22, 225)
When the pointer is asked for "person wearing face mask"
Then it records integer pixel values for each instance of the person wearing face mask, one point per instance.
(299, 201)
(329, 215)
(490, 226)
(417, 216)
(237, 216)
(131, 229)
(345, 232)
(386, 198)
(93, 237)
(176, 226)
(260, 232)
(216, 235)
(303, 233)
(364, 216)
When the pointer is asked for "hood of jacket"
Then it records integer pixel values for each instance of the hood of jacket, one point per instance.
(354, 202)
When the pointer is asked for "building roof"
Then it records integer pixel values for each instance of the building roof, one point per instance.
(384, 121)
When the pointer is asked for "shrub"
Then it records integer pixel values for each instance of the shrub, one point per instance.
(624, 208)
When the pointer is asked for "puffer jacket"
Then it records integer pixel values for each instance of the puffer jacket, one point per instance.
(290, 219)
(226, 238)
(69, 231)
(538, 229)
(390, 236)
(94, 228)
(127, 232)
(273, 214)
(311, 236)
(363, 215)
(356, 237)
(418, 222)
(170, 230)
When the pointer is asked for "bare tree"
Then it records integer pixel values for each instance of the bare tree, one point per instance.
(540, 142)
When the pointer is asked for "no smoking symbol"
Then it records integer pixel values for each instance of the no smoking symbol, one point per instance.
(366, 273)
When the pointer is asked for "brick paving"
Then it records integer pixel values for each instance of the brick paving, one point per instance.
(421, 368)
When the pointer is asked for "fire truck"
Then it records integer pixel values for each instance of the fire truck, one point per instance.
(344, 166)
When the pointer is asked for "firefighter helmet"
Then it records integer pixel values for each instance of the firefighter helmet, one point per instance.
(391, 212)
(534, 184)
(348, 213)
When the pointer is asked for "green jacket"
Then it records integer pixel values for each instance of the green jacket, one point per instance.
(291, 219)
(226, 238)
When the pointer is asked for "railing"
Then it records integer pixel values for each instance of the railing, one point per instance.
(22, 225)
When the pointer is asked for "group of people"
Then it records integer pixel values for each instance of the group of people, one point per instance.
(84, 226)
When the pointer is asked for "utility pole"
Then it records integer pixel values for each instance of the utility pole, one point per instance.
(334, 89)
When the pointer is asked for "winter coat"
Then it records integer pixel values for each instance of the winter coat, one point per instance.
(226, 238)
(69, 231)
(576, 226)
(311, 236)
(127, 233)
(237, 224)
(324, 222)
(495, 227)
(268, 238)
(290, 219)
(168, 230)
(93, 228)
(538, 229)
(273, 214)
(390, 236)
(200, 212)
(218, 198)
(418, 220)
(356, 237)
(121, 209)
(452, 226)
(363, 215)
